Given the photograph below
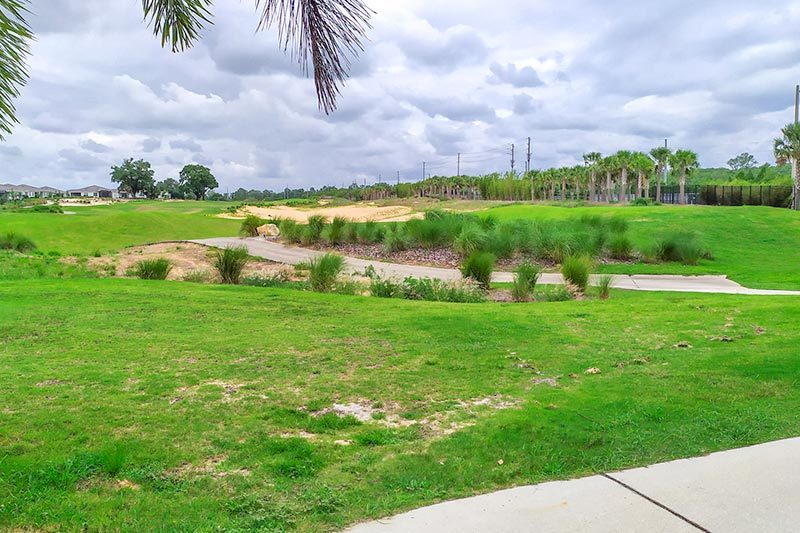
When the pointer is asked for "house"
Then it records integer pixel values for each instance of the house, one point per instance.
(28, 191)
(94, 191)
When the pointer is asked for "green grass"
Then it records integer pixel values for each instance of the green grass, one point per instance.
(206, 406)
(110, 228)
(758, 247)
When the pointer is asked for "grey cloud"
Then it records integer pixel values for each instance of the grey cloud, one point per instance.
(13, 151)
(151, 144)
(523, 104)
(510, 74)
(453, 48)
(95, 147)
(80, 161)
(185, 144)
(454, 108)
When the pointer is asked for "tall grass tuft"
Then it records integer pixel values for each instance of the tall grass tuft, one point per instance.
(250, 225)
(604, 285)
(13, 241)
(471, 239)
(620, 247)
(291, 231)
(314, 228)
(681, 247)
(576, 270)
(230, 263)
(336, 230)
(324, 271)
(526, 277)
(479, 267)
(395, 239)
(157, 269)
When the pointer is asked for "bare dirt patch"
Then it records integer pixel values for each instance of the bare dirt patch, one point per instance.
(188, 259)
(361, 212)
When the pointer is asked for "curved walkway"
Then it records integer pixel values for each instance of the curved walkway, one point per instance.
(292, 255)
(744, 490)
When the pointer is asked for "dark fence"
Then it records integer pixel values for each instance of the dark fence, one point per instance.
(732, 195)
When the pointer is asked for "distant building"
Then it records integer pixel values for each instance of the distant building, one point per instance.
(28, 191)
(94, 191)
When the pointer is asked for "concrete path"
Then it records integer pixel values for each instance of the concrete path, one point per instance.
(292, 255)
(746, 490)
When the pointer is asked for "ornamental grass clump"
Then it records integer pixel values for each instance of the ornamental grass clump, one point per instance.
(324, 270)
(16, 242)
(479, 267)
(576, 270)
(153, 269)
(250, 225)
(336, 230)
(230, 262)
(526, 277)
(604, 285)
(313, 230)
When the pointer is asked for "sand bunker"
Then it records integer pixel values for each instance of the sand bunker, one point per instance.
(356, 213)
(186, 259)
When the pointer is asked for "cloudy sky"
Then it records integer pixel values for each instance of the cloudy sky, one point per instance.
(438, 77)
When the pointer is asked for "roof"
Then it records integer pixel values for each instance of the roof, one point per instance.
(92, 188)
(25, 188)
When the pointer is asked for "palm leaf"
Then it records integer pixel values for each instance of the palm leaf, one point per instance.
(15, 37)
(178, 22)
(322, 32)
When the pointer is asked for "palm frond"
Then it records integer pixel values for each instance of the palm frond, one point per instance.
(177, 22)
(15, 37)
(323, 32)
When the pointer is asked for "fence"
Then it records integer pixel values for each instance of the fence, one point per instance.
(729, 195)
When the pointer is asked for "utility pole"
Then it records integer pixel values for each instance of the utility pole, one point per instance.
(513, 161)
(423, 171)
(796, 105)
(528, 161)
(666, 173)
(459, 165)
(398, 177)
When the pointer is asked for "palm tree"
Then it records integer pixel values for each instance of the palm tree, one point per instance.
(592, 161)
(624, 160)
(787, 150)
(684, 161)
(643, 166)
(661, 155)
(320, 34)
(609, 166)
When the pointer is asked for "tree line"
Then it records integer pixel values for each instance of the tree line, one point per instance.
(137, 178)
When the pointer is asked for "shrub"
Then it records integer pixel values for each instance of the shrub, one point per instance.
(314, 228)
(230, 263)
(385, 288)
(349, 287)
(369, 232)
(620, 247)
(291, 231)
(197, 276)
(12, 241)
(250, 225)
(500, 242)
(436, 290)
(324, 270)
(395, 240)
(479, 266)
(157, 269)
(618, 225)
(336, 230)
(350, 232)
(681, 247)
(525, 278)
(554, 293)
(576, 269)
(604, 284)
(274, 279)
(470, 240)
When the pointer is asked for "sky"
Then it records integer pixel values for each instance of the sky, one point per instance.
(437, 78)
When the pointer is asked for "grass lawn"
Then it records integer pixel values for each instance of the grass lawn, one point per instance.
(154, 405)
(110, 228)
(758, 247)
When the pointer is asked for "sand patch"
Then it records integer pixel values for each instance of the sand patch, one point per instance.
(361, 212)
(188, 260)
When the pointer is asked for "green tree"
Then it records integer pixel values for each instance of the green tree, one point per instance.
(624, 159)
(134, 176)
(644, 168)
(661, 155)
(198, 180)
(787, 150)
(592, 161)
(172, 188)
(323, 34)
(684, 162)
(742, 161)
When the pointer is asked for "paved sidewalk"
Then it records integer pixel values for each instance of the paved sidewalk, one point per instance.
(292, 255)
(739, 491)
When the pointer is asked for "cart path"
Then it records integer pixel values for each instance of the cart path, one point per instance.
(292, 255)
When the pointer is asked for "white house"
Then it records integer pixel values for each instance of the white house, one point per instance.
(94, 191)
(28, 191)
